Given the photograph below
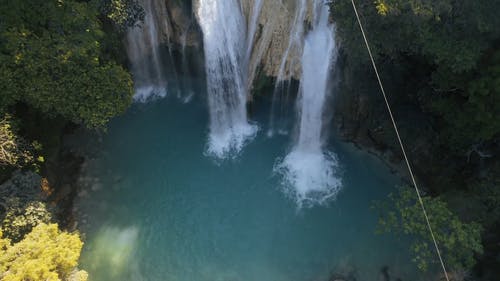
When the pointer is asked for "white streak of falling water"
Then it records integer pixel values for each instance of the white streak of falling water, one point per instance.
(189, 93)
(257, 6)
(309, 171)
(143, 44)
(223, 27)
(295, 41)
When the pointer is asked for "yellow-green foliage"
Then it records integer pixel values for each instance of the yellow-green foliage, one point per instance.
(122, 13)
(21, 218)
(118, 11)
(8, 147)
(382, 8)
(46, 253)
(14, 151)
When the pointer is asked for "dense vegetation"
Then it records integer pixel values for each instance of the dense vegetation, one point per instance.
(46, 253)
(452, 47)
(61, 61)
(440, 60)
(52, 58)
(60, 64)
(459, 241)
(32, 246)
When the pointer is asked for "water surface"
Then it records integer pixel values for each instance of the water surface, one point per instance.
(154, 207)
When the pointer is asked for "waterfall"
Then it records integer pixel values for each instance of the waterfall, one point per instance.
(282, 88)
(257, 6)
(295, 40)
(223, 26)
(310, 171)
(143, 49)
(188, 91)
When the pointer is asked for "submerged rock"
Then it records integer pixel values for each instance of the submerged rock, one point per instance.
(344, 275)
(385, 273)
(339, 277)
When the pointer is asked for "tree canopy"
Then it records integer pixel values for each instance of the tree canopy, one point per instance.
(459, 241)
(51, 58)
(455, 44)
(46, 253)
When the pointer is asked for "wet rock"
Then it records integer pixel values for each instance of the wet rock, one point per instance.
(341, 278)
(384, 271)
(387, 275)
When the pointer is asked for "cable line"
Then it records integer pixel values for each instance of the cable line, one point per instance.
(401, 144)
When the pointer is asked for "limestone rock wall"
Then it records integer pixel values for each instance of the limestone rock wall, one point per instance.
(277, 42)
(272, 52)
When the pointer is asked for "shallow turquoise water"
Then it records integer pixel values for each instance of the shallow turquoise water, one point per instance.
(154, 207)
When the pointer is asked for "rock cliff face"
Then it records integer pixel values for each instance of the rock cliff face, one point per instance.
(174, 23)
(182, 27)
(275, 31)
(361, 117)
(278, 39)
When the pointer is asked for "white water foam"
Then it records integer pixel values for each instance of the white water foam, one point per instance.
(310, 177)
(143, 50)
(149, 93)
(223, 26)
(309, 171)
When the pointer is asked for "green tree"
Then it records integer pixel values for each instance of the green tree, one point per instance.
(46, 253)
(15, 151)
(459, 241)
(471, 114)
(51, 59)
(455, 44)
(453, 34)
(122, 13)
(21, 218)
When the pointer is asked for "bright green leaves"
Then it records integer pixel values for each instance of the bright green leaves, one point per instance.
(459, 241)
(15, 151)
(382, 7)
(431, 9)
(122, 13)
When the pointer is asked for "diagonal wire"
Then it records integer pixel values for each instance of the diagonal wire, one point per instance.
(401, 144)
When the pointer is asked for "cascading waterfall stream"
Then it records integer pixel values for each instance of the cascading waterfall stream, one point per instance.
(232, 41)
(310, 172)
(143, 49)
(226, 220)
(282, 88)
(257, 6)
(223, 26)
(184, 64)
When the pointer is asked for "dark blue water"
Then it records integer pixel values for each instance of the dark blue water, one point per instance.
(155, 207)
